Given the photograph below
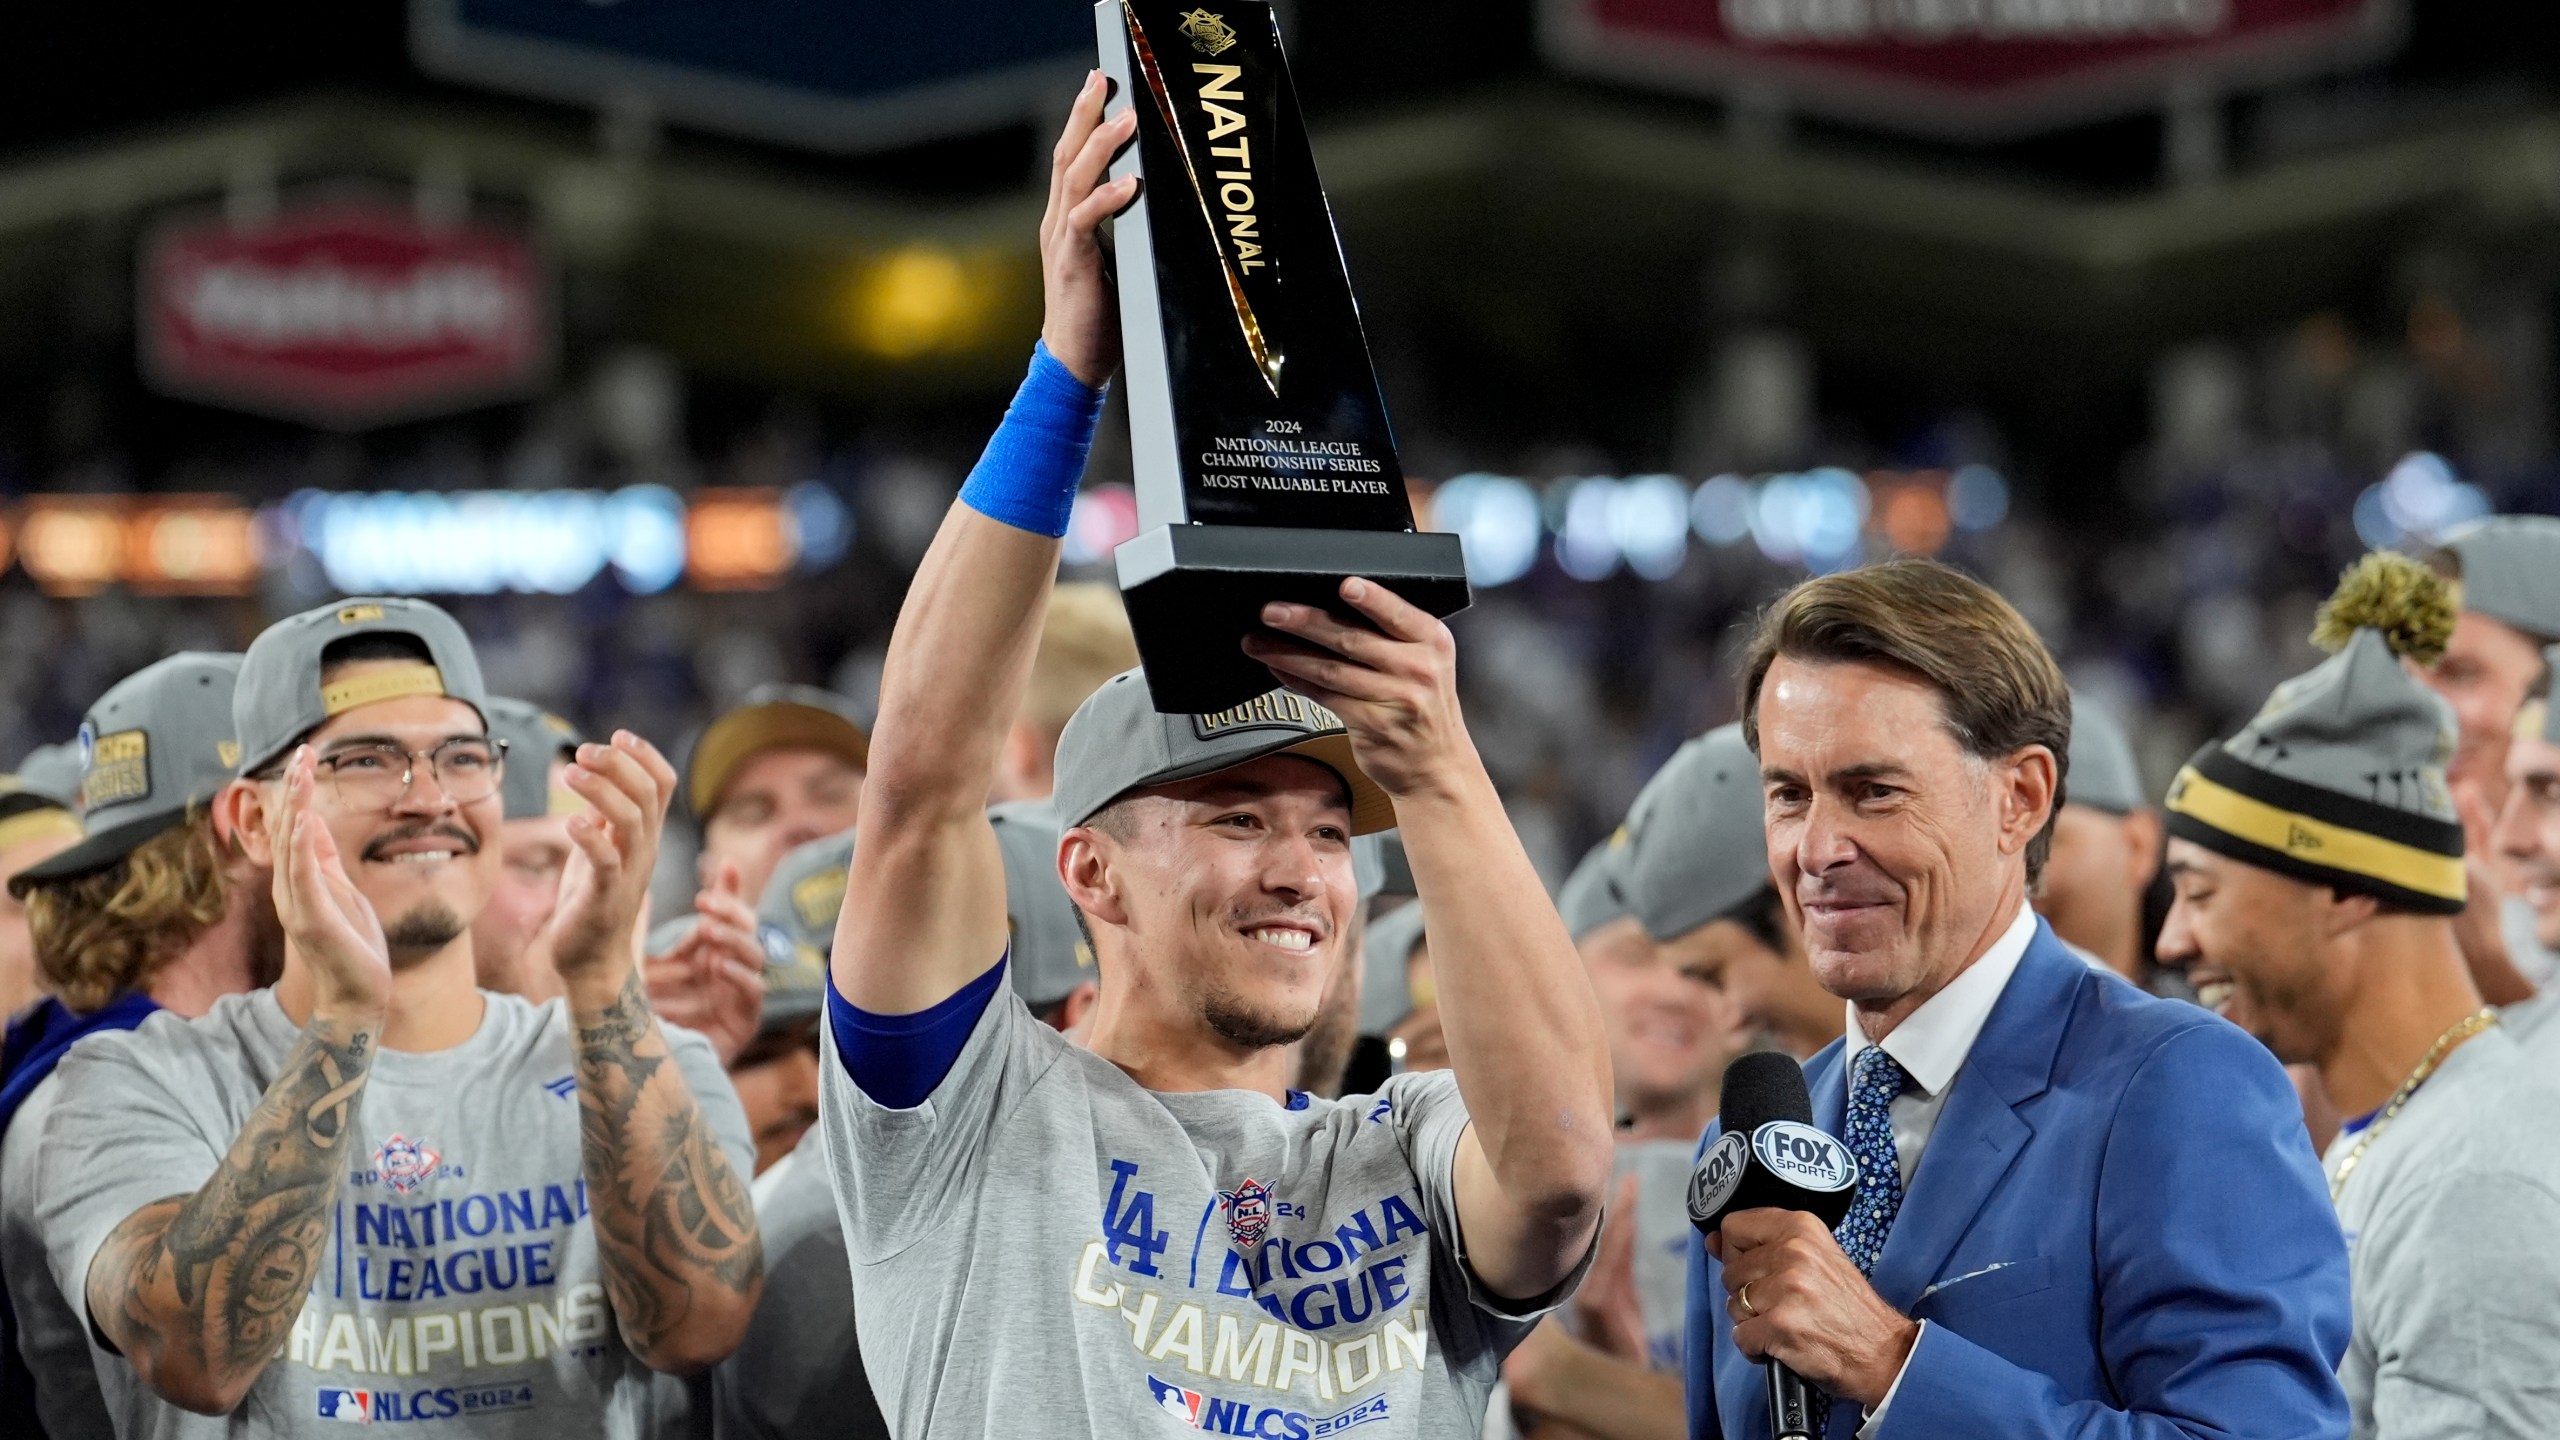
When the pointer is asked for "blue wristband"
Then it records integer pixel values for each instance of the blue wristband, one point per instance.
(1027, 478)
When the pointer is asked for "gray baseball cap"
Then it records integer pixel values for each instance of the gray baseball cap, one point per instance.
(1386, 992)
(2548, 719)
(1117, 743)
(799, 907)
(1595, 893)
(157, 743)
(1695, 848)
(282, 698)
(2511, 571)
(49, 774)
(2103, 773)
(534, 737)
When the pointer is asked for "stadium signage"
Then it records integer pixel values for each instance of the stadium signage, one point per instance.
(1972, 69)
(344, 314)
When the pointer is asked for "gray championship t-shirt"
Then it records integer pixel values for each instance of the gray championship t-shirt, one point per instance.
(1664, 1238)
(458, 1289)
(798, 1375)
(1042, 1247)
(2453, 1256)
(52, 1337)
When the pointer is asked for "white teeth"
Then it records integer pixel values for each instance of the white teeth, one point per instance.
(1284, 939)
(2214, 995)
(423, 857)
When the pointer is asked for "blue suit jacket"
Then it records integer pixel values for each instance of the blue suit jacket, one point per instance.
(2118, 1230)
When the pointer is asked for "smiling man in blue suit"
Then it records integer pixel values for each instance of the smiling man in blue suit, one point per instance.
(2083, 1211)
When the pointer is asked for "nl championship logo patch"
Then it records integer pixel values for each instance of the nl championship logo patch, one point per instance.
(1183, 1405)
(1248, 1208)
(404, 1164)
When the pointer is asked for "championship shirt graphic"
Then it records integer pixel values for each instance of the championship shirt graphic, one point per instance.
(354, 1405)
(1248, 1208)
(404, 1164)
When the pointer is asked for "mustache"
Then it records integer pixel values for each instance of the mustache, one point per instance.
(374, 847)
(1315, 920)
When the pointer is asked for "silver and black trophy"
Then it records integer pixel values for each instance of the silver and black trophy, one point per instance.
(1264, 463)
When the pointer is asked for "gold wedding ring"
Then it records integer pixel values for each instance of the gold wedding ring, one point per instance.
(1744, 1295)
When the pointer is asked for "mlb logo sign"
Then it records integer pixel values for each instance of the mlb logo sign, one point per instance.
(1183, 1405)
(354, 1405)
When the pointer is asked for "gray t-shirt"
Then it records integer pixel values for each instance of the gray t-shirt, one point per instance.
(2452, 1221)
(1042, 1246)
(1664, 1238)
(51, 1336)
(798, 1375)
(459, 1287)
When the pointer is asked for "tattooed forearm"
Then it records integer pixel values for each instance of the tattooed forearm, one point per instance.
(674, 1223)
(200, 1291)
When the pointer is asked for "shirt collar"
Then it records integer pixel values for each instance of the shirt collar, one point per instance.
(1931, 1042)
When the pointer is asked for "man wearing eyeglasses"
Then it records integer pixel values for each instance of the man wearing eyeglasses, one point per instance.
(375, 1191)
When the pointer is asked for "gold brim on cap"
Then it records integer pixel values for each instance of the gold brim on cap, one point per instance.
(1372, 810)
(733, 737)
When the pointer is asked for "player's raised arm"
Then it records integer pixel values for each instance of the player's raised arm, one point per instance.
(924, 910)
(1525, 1033)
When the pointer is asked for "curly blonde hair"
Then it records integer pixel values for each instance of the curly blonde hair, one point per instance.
(111, 930)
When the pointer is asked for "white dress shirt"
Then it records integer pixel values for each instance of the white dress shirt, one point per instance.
(1931, 1044)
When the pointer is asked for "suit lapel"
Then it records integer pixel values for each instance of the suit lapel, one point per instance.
(1979, 1134)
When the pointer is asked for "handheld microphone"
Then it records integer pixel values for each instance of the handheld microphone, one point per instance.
(1770, 1156)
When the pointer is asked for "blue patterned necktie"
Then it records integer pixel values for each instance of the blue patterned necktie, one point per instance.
(1869, 1134)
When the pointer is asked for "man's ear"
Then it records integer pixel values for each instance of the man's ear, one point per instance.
(240, 819)
(2142, 837)
(1085, 869)
(2343, 911)
(2030, 781)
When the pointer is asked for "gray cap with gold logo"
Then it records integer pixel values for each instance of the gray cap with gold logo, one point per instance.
(1117, 742)
(281, 697)
(157, 743)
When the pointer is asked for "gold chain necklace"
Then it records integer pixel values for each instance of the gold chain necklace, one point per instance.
(2463, 1029)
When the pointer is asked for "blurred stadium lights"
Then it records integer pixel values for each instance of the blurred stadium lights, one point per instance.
(480, 542)
(1820, 519)
(921, 300)
(2419, 500)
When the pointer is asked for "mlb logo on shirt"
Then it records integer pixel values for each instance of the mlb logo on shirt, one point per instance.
(1183, 1405)
(355, 1405)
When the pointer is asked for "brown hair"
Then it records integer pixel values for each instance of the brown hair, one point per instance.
(1084, 641)
(111, 930)
(1997, 685)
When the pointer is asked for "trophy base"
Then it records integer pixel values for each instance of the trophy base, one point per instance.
(1195, 591)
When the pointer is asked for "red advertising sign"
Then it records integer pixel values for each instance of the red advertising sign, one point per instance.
(344, 314)
(1979, 68)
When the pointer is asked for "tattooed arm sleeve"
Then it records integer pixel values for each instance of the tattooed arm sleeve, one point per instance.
(200, 1291)
(683, 1263)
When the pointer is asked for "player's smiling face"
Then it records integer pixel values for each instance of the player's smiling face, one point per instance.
(426, 861)
(1239, 894)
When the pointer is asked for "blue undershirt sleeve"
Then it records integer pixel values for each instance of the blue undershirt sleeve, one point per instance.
(1028, 475)
(898, 1060)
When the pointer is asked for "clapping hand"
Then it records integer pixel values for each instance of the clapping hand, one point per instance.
(628, 784)
(712, 982)
(326, 919)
